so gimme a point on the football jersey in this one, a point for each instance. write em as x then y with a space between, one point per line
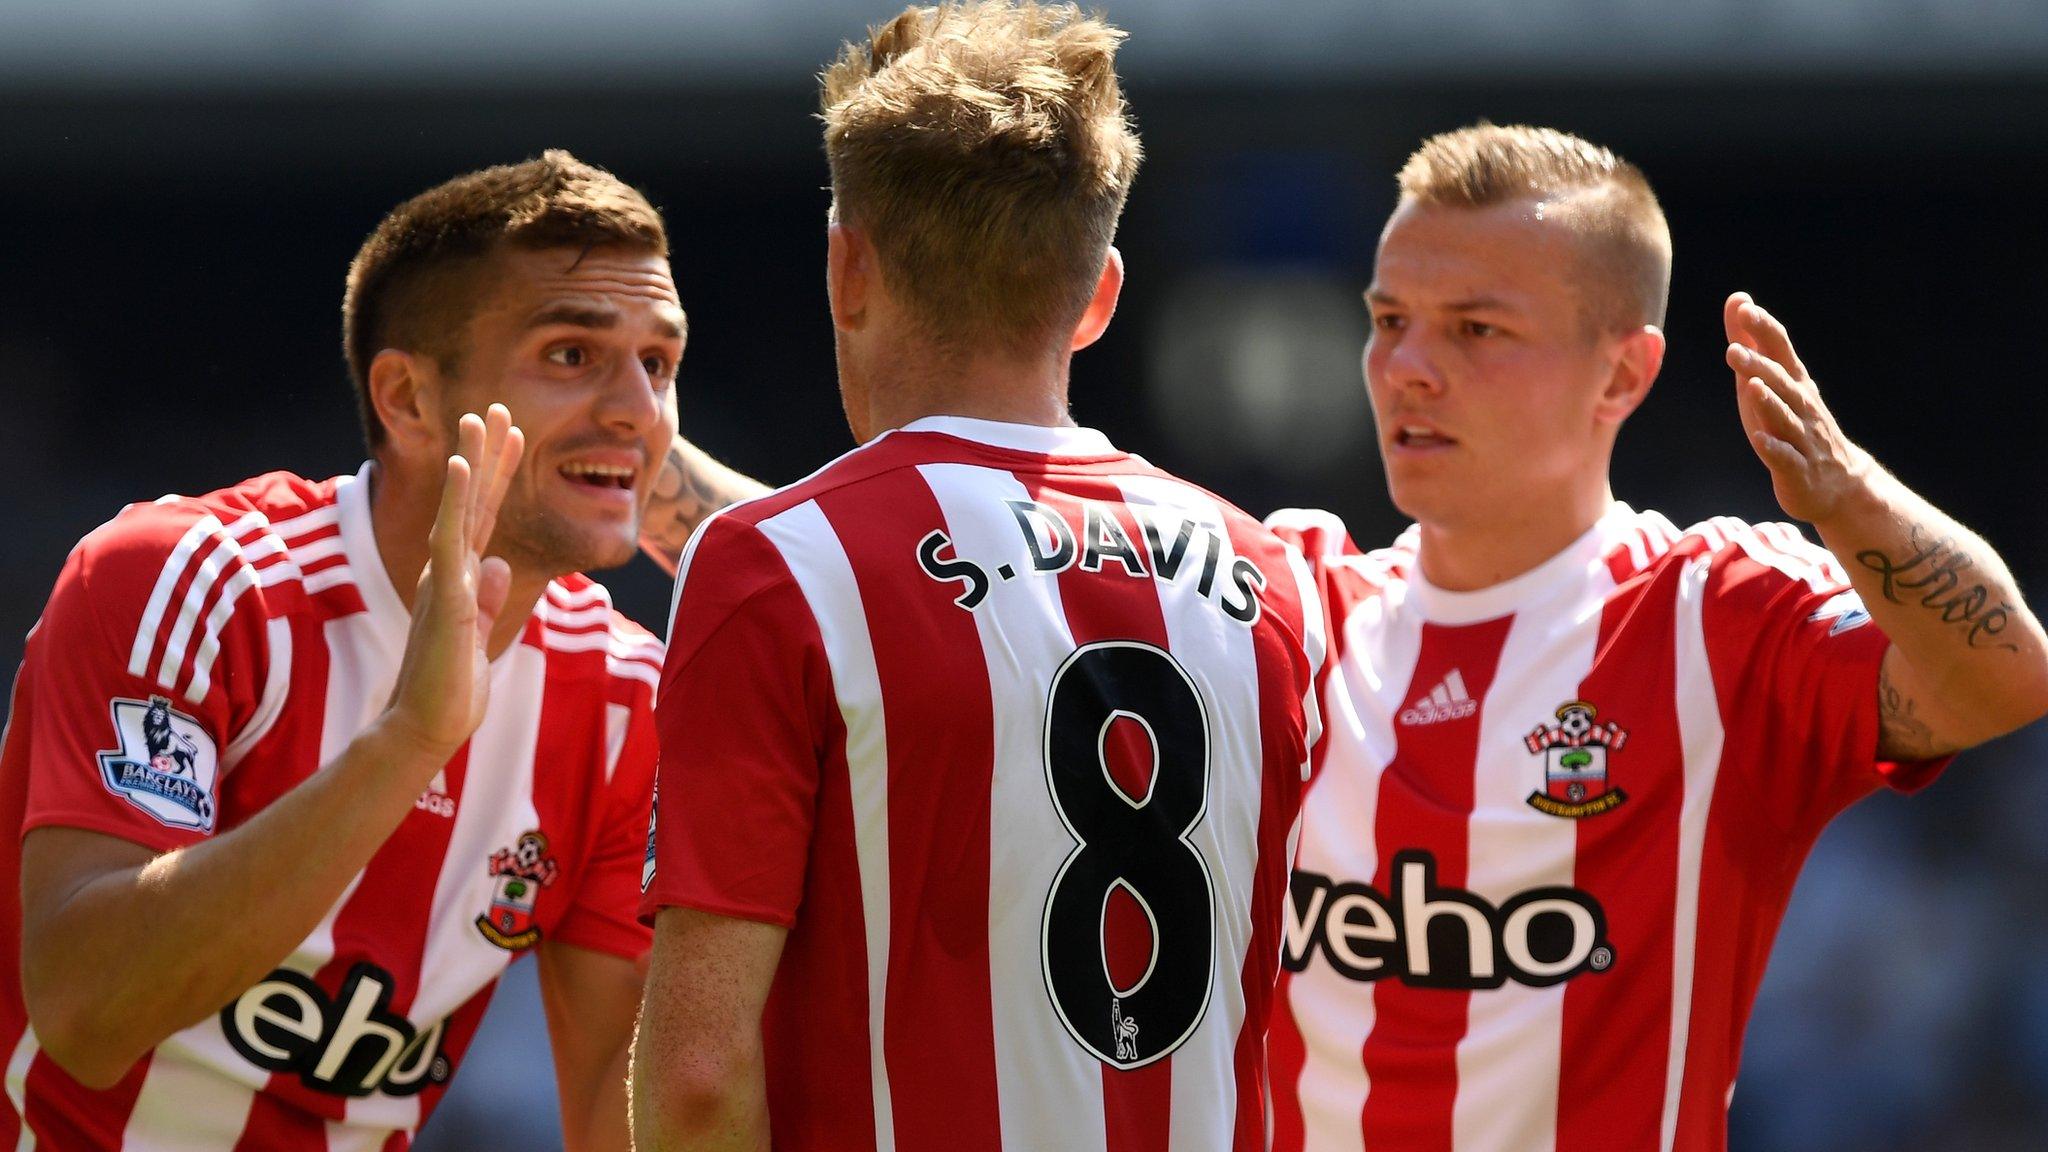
1010 728
1554 825
202 656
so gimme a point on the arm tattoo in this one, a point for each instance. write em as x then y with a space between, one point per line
1935 574
682 500
1900 730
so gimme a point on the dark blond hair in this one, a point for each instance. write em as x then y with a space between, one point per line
416 281
986 151
1605 200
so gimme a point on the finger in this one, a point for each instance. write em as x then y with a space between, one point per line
491 499
1771 415
446 540
1797 394
497 424
1770 337
1731 317
469 444
1777 455
493 583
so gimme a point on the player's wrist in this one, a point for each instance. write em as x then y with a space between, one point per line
397 739
1863 492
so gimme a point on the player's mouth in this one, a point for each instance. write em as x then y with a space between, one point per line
609 480
1414 437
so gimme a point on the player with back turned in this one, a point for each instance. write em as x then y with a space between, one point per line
981 745
1575 755
293 771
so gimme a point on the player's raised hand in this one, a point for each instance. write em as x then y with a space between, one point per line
1814 468
444 680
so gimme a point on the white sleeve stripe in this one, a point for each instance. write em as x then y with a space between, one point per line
639 670
319 549
300 525
559 617
160 595
616 717
324 579
209 647
226 553
276 685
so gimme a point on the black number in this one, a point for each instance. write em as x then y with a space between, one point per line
1139 844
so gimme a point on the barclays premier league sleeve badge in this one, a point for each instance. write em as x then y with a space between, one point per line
165 764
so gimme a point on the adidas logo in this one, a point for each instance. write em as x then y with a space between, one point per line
1447 701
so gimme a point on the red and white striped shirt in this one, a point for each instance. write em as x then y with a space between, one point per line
202 656
1011 728
1554 827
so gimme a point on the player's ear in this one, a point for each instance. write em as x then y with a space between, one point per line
850 274
402 390
1101 306
1639 356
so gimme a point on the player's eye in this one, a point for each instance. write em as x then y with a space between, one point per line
1480 328
568 356
1388 322
657 366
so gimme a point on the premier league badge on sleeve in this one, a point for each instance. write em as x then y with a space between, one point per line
166 764
518 874
1575 752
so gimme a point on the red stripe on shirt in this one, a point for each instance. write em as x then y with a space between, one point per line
64 1115
1426 797
941 751
1610 1095
1281 672
1109 605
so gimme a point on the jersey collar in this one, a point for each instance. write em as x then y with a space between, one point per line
1037 439
1582 560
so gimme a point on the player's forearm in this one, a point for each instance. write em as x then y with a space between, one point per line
690 488
136 954
595 1114
1951 609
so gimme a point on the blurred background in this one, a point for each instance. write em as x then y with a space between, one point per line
185 182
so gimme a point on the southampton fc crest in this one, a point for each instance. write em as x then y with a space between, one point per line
518 874
1575 752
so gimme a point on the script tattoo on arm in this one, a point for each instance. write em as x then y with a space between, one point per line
1902 734
685 495
1936 576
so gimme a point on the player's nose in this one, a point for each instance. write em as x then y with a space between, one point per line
1405 364
632 396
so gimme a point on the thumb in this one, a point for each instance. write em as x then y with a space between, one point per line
493 583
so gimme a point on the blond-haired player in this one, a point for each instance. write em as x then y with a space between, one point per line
981 745
1575 754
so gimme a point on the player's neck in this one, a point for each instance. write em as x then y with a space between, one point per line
401 515
1467 557
1010 390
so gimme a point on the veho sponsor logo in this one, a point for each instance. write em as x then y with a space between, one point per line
351 1045
1436 937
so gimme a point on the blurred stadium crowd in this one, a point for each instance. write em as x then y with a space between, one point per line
176 232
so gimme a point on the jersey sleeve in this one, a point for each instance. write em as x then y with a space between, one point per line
744 717
604 916
1796 657
145 672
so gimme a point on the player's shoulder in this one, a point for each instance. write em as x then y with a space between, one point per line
1744 557
227 530
581 628
1324 539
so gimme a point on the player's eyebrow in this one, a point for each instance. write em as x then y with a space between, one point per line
575 315
1481 303
586 316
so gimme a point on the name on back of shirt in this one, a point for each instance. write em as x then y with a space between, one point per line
1171 547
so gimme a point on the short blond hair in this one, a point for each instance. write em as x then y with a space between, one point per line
986 151
1604 199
